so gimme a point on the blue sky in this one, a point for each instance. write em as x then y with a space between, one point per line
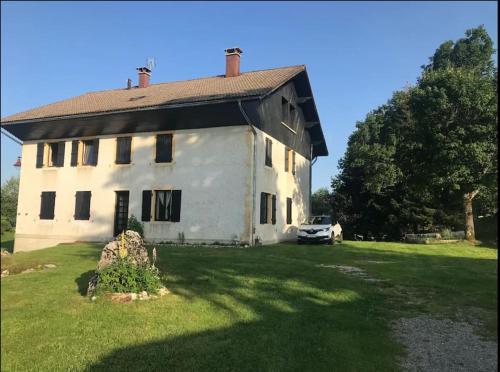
357 53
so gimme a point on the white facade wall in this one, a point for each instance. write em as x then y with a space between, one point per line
213 167
284 185
210 166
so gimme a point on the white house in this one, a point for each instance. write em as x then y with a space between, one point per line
217 159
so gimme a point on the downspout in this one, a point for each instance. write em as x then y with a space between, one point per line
254 166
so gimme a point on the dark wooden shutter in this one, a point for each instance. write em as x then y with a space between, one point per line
82 205
164 148
146 205
123 146
263 207
286 159
39 154
176 206
96 151
47 205
269 152
74 153
273 205
293 162
60 153
288 211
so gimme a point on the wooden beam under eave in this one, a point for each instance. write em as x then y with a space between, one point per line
301 100
310 124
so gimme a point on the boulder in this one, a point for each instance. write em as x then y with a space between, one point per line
136 251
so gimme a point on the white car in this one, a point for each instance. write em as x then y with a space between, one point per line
319 229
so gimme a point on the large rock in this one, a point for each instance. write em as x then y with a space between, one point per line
136 253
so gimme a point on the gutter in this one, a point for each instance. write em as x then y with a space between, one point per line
254 170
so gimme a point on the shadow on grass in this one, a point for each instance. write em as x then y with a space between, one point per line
272 308
83 282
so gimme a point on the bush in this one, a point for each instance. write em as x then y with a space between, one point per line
5 225
447 234
123 276
134 225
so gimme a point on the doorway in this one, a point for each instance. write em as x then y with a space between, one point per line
121 211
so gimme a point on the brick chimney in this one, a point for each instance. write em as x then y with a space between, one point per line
233 61
144 75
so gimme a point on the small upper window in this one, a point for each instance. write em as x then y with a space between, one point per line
164 148
90 152
269 152
56 154
123 149
288 114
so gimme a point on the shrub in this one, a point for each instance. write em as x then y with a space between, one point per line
447 234
5 225
134 225
123 276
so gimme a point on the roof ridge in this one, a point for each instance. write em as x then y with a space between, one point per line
193 79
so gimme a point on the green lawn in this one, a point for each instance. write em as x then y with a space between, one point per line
256 309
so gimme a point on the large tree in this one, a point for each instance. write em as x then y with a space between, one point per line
455 108
414 163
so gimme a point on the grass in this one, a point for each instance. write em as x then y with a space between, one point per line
256 309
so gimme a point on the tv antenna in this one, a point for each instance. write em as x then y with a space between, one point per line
151 63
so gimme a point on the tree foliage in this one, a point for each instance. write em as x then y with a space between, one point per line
412 162
320 202
9 193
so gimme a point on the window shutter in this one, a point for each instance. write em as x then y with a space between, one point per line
82 205
74 153
47 205
263 207
39 154
146 205
288 211
164 148
96 150
273 215
176 206
60 153
286 159
123 145
293 162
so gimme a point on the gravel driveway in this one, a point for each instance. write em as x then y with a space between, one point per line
444 345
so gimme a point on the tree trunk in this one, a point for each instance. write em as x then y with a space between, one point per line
469 217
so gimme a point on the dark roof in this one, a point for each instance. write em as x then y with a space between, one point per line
254 83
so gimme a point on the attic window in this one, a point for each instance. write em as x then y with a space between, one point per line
288 115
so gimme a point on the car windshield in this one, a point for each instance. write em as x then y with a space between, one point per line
318 220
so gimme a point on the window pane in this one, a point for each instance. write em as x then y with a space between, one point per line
88 152
163 205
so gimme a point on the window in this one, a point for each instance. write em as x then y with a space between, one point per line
267 208
288 211
288 115
269 152
90 151
167 205
284 111
56 154
82 205
50 154
163 148
123 148
48 199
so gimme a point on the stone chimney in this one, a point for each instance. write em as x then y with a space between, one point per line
233 62
144 75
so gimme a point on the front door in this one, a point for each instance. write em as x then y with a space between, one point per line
121 211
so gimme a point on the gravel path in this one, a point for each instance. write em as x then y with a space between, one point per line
443 345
